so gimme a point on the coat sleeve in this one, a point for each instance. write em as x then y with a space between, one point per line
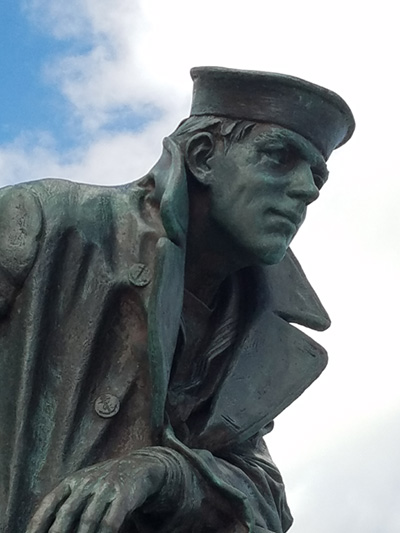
249 468
20 228
238 491
250 475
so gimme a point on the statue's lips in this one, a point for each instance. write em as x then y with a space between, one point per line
290 216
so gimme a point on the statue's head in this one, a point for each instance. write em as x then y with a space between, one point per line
255 148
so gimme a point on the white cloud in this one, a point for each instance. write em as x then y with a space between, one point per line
111 158
349 484
63 20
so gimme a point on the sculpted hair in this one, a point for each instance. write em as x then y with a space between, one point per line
228 130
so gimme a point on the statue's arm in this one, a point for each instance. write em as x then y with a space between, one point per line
152 490
237 491
223 492
162 490
20 228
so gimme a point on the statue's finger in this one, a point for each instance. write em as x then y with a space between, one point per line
94 512
46 513
69 513
120 508
114 517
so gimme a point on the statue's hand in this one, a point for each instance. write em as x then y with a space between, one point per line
100 498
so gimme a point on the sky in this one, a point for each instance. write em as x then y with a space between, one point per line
90 87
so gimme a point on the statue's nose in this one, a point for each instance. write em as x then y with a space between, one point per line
302 185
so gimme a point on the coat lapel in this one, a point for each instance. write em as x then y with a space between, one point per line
275 361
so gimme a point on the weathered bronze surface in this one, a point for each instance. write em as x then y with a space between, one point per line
145 329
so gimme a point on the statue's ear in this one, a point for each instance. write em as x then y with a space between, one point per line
198 151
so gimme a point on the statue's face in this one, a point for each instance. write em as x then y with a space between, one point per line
260 189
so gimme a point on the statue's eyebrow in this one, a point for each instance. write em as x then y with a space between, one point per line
279 139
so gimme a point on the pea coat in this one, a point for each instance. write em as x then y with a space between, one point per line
91 289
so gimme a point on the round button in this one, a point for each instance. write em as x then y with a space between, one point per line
107 405
140 275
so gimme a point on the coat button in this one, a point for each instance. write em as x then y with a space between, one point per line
107 405
139 275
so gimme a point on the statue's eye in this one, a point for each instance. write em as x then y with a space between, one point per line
280 158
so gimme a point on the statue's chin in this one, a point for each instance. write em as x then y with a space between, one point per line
272 255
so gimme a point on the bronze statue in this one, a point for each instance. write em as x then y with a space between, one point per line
145 329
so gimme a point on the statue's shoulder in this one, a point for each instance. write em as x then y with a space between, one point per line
67 203
32 213
53 193
20 228
21 223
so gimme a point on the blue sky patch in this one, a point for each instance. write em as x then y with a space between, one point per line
29 102
26 101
